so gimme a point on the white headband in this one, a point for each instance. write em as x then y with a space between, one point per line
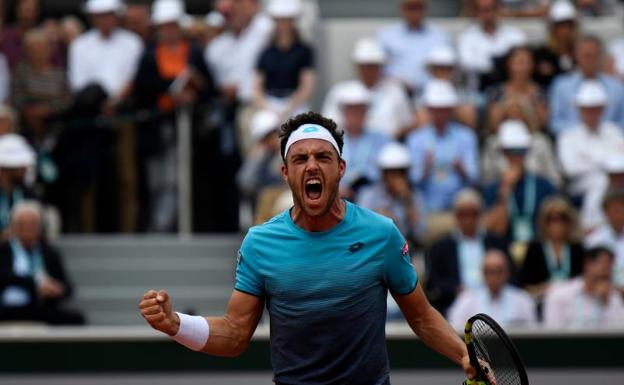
310 131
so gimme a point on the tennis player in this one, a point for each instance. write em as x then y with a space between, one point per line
323 269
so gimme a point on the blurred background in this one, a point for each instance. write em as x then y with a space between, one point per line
139 142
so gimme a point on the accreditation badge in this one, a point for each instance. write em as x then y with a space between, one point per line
522 230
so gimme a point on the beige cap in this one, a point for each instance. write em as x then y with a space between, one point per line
353 93
394 156
514 134
15 152
287 9
440 94
561 10
103 6
262 123
167 11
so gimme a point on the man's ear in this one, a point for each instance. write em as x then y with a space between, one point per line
343 166
284 170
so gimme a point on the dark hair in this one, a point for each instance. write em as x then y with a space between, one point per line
592 254
309 117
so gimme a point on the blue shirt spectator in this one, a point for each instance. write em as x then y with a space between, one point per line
444 152
454 144
563 112
408 44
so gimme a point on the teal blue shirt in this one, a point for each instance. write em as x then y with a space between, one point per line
326 294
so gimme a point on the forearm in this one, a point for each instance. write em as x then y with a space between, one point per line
436 333
226 339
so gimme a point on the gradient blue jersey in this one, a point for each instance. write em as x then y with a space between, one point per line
326 294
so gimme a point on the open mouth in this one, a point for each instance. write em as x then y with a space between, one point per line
313 189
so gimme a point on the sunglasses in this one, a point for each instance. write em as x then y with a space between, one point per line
554 218
516 151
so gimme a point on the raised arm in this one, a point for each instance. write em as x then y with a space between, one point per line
228 335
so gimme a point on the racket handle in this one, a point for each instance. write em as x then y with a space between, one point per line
474 382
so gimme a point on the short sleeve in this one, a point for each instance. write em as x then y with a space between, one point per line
307 59
248 279
399 273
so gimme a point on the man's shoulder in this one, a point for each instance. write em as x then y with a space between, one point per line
563 291
371 219
276 224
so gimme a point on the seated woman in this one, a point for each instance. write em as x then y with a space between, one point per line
519 85
285 71
555 255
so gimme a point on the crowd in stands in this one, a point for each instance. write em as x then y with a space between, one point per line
502 161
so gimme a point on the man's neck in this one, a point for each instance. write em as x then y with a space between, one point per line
489 28
495 293
325 222
106 34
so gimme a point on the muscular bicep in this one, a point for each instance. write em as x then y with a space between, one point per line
245 310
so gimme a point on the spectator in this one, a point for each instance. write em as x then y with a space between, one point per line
513 201
611 234
33 282
262 168
27 13
484 43
102 64
233 55
7 120
389 112
137 19
408 43
285 75
519 85
454 262
171 73
441 63
105 56
540 158
592 215
583 150
361 146
589 56
444 152
589 301
393 196
508 305
16 157
556 56
39 88
554 255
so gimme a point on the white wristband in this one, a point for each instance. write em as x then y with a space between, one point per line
193 332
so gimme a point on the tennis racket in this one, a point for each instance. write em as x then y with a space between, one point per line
492 354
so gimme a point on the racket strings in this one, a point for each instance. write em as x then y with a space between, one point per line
492 350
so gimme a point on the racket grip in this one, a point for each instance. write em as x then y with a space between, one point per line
474 382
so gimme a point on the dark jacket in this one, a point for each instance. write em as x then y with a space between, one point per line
535 270
53 266
443 268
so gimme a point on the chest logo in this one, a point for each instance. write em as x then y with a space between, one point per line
357 246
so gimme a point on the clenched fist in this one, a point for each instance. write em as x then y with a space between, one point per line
156 308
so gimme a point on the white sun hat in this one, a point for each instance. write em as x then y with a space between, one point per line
394 156
442 55
562 10
286 9
591 93
103 6
167 11
353 93
368 51
440 94
514 134
16 152
263 122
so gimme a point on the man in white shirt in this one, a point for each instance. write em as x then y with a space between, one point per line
587 301
484 42
389 111
509 306
233 55
611 233
106 55
408 43
592 215
584 150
